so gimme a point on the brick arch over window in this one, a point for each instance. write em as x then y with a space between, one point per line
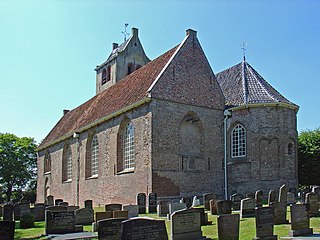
47 162
125 146
238 141
92 156
67 163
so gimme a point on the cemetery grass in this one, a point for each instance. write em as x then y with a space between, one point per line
247 227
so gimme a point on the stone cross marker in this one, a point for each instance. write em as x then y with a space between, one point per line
264 223
228 226
300 224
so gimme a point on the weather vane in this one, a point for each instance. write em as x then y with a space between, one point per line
125 33
244 50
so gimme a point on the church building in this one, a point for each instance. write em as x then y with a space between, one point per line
170 126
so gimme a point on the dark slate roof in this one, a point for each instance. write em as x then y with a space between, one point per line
126 92
242 84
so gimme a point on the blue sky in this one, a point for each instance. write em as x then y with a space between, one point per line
49 49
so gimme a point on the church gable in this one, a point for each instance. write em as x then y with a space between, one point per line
188 77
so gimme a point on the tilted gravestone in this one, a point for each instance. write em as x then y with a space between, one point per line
7 230
152 203
236 201
223 207
143 228
271 197
59 222
213 206
113 207
259 198
264 223
141 202
300 223
313 202
163 208
247 208
8 212
206 199
228 226
84 216
109 229
133 210
280 212
88 204
186 225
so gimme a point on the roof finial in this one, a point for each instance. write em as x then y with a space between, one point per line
125 33
244 50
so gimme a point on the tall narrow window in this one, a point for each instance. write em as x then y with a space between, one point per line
109 74
94 156
47 162
128 147
104 76
130 68
69 163
238 141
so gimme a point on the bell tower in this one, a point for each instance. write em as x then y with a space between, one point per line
123 60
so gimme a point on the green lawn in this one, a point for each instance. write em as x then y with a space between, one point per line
247 228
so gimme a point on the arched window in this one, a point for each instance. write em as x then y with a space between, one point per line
290 149
128 147
130 68
94 156
47 162
238 141
69 163
104 76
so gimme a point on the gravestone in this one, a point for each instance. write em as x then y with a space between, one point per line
39 212
203 216
316 190
109 229
300 223
16 212
264 223
187 201
213 207
141 202
283 193
7 230
57 202
186 225
57 208
280 212
103 215
152 203
72 208
236 201
8 212
228 226
120 214
249 195
162 208
143 228
303 194
88 204
223 207
49 200
133 210
247 208
113 207
195 201
313 201
59 222
24 208
84 216
272 197
206 199
290 198
258 198
66 204
173 207
27 220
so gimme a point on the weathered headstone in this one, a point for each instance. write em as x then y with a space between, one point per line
173 207
187 201
39 212
264 223
57 202
206 199
152 203
113 207
259 198
185 225
316 190
24 208
8 212
236 201
249 195
57 208
313 201
7 230
143 228
304 193
195 201
271 197
203 215
27 220
283 193
247 208
133 210
300 224
141 202
162 208
109 229
228 226
84 216
88 204
72 208
49 200
66 204
280 212
223 207
120 214
213 207
290 198
59 222
103 215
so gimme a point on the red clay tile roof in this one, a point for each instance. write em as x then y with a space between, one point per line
129 90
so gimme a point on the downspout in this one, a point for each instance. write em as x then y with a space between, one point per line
76 136
226 114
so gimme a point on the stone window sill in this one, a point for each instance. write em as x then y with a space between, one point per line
125 171
67 181
92 177
47 173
